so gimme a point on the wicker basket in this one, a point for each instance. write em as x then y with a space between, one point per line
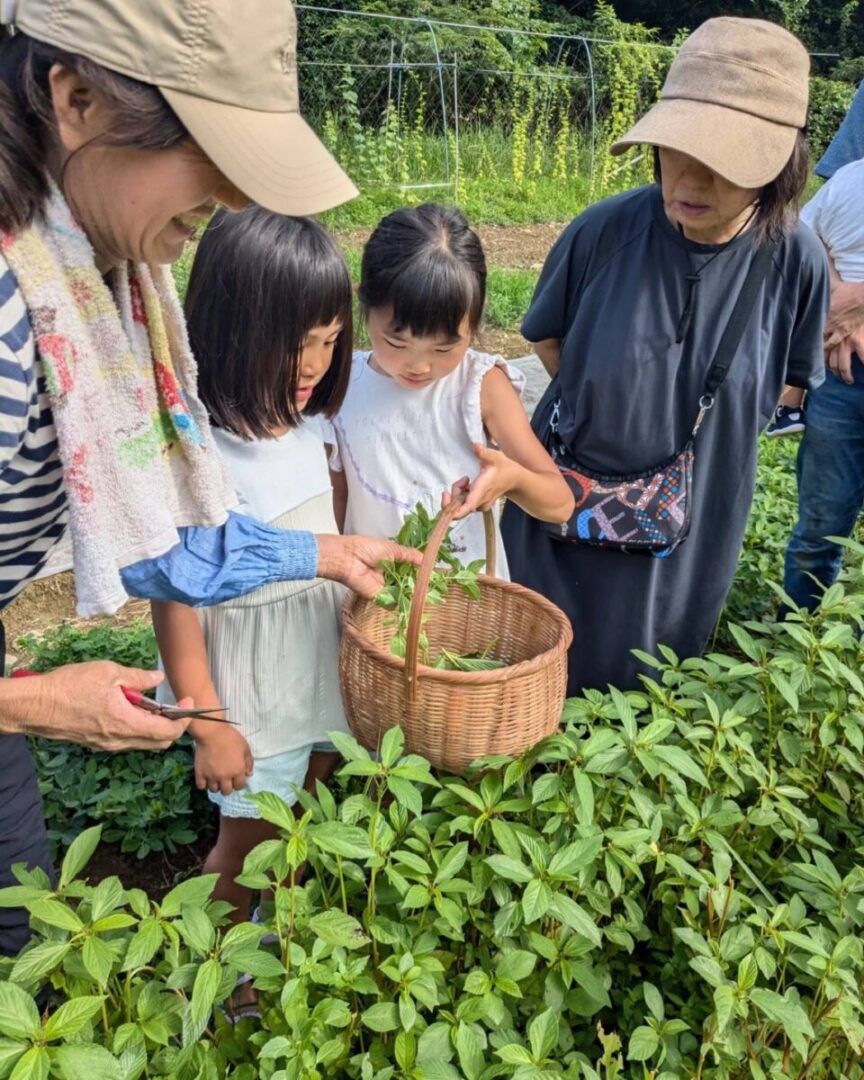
454 717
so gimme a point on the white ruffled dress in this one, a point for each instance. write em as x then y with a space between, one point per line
399 447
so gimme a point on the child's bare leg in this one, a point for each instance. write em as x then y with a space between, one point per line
237 837
321 767
792 397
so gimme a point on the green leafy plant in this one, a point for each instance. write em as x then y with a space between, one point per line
400 580
829 101
133 645
147 802
670 887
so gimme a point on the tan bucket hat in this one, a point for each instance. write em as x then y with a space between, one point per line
229 71
735 99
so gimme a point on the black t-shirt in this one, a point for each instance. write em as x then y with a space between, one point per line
613 290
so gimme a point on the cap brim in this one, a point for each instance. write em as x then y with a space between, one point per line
744 149
274 158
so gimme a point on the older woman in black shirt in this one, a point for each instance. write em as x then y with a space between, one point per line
627 317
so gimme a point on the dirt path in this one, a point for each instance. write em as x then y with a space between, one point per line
510 246
49 602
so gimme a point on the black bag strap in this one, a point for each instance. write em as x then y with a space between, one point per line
731 339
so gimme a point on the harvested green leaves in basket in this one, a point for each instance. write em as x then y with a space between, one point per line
401 578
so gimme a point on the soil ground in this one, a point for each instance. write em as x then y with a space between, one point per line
49 602
156 874
509 246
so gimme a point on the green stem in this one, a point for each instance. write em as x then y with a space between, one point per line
342 890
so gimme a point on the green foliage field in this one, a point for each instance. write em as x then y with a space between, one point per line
672 887
146 802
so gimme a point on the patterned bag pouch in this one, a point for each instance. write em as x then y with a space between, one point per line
645 512
649 512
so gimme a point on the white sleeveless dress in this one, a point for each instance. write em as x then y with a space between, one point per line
399 447
274 654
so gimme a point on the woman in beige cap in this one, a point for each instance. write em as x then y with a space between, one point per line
122 126
630 316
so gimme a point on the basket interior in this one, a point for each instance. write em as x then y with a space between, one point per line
515 625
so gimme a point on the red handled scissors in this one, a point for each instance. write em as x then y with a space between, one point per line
141 701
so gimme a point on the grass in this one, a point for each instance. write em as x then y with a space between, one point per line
498 182
496 201
509 295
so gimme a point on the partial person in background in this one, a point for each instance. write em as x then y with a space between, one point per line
831 456
847 146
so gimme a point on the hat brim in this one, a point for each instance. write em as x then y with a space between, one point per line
744 149
274 158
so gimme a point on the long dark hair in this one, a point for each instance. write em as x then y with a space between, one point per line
780 200
140 118
259 283
427 263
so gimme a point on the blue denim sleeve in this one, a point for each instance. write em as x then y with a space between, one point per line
211 565
848 144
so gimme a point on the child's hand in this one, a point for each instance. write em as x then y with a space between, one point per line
497 476
223 759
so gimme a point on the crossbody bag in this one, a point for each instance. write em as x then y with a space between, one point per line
650 511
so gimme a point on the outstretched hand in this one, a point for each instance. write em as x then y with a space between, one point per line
355 561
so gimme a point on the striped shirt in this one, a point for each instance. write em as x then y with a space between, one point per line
206 566
33 509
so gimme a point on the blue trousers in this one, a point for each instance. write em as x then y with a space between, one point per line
830 485
23 838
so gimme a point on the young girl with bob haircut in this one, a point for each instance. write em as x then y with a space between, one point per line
269 314
423 408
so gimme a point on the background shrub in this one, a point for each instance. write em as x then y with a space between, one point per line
147 802
829 102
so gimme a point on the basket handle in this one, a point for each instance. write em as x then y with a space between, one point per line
421 586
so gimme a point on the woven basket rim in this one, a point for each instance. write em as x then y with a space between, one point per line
469 678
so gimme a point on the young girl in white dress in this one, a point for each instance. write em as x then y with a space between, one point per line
424 410
269 314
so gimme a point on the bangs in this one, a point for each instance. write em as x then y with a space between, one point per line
432 296
259 284
427 266
325 296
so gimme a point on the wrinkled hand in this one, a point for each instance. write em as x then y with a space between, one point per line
495 479
223 759
839 360
84 703
856 342
846 314
841 357
355 561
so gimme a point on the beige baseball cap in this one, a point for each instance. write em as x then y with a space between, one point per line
229 71
735 99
